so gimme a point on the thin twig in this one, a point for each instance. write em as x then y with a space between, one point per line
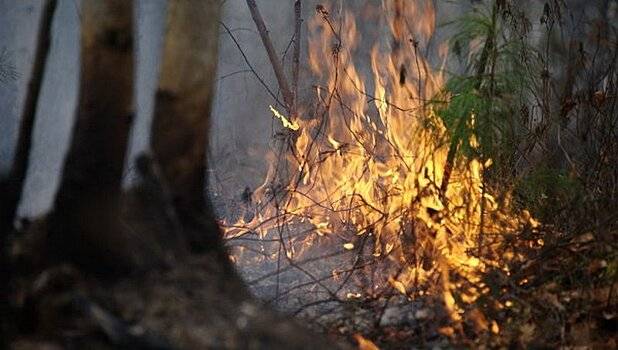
244 56
295 70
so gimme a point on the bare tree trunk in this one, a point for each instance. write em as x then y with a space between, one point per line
11 187
196 301
182 111
84 225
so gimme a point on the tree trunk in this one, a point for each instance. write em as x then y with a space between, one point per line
173 286
84 226
11 186
182 108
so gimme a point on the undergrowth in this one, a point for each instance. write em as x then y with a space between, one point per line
538 94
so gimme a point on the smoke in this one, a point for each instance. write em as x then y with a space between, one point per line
241 126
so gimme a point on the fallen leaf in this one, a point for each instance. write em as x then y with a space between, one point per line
479 320
447 331
527 333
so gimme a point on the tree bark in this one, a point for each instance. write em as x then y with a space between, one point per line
11 186
84 225
182 107
194 301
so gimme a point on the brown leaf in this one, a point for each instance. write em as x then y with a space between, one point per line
479 321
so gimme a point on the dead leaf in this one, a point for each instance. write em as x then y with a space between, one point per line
447 331
479 321
553 300
527 333
596 266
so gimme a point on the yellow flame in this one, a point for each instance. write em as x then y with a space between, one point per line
284 121
381 165
364 343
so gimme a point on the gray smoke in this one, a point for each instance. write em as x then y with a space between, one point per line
242 125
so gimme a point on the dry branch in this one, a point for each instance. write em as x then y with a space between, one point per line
251 68
296 60
288 96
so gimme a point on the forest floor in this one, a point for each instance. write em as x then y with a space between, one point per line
564 293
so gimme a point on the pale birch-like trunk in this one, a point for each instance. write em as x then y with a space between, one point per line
193 301
182 112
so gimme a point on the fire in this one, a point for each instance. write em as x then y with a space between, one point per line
370 161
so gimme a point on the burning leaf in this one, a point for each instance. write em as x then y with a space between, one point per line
447 331
284 121
365 344
400 287
495 329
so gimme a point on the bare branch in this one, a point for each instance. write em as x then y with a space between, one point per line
288 97
244 56
295 70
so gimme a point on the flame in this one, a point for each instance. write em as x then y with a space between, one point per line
364 343
371 161
284 121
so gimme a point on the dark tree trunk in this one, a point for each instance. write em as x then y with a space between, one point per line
182 109
11 186
172 276
84 226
